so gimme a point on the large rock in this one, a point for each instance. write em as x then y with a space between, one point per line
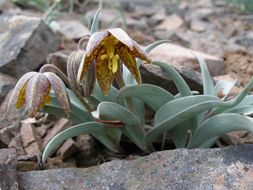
179 56
25 43
8 172
6 84
198 169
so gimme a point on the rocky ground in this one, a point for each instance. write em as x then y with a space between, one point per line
223 35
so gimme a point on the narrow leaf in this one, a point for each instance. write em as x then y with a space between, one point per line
207 79
97 130
219 125
178 111
180 83
95 22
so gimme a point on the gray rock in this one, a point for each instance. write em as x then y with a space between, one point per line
8 172
245 39
25 43
6 84
198 169
152 74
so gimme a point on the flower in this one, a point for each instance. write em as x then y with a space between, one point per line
33 90
107 49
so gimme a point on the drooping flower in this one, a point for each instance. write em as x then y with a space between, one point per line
108 49
33 89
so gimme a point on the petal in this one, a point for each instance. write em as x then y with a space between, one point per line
139 52
83 68
37 93
104 75
18 95
122 36
73 64
60 90
89 81
130 63
95 41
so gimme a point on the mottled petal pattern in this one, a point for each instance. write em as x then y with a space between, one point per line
18 95
60 90
89 81
37 93
95 41
83 68
122 36
140 53
104 75
130 63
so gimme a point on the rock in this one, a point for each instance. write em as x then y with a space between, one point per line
5 137
25 43
16 142
8 172
198 26
73 29
6 84
180 56
31 141
171 23
226 168
59 59
5 5
67 149
24 166
152 74
59 126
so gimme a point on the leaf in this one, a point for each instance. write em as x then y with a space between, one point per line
111 97
180 83
207 79
219 125
98 130
178 111
152 95
95 22
133 128
245 107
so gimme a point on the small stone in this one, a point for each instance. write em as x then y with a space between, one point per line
16 142
73 29
6 84
5 136
67 149
31 141
8 171
25 166
59 126
28 134
198 26
171 23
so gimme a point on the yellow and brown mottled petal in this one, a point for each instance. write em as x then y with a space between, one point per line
60 90
104 75
122 36
73 64
37 91
17 99
140 53
89 81
94 43
130 63
83 68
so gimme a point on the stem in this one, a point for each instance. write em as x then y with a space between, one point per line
56 70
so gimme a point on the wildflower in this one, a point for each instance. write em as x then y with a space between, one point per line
107 49
33 90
